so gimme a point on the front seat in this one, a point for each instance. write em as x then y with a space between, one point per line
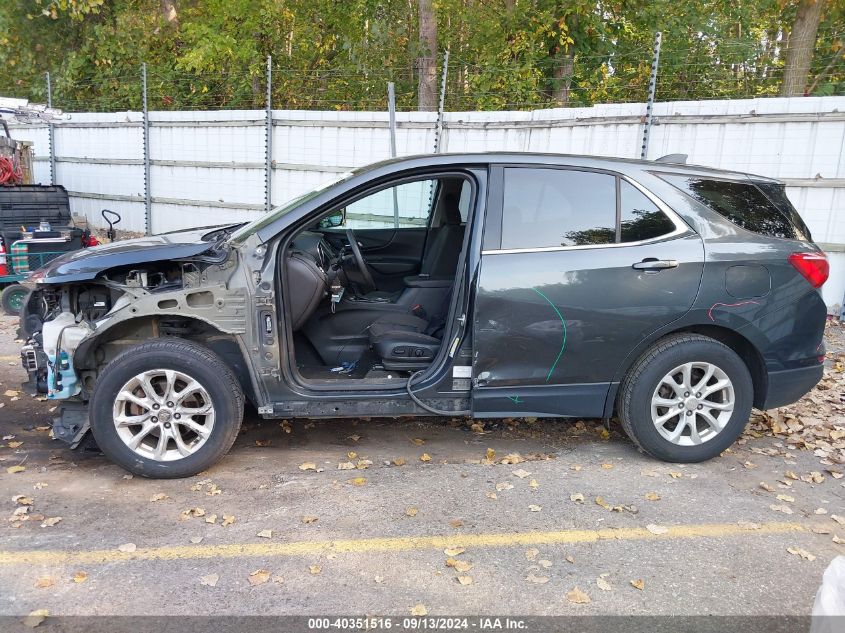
442 252
404 341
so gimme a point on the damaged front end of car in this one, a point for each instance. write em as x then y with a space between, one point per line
83 310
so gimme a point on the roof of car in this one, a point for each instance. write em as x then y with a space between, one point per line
539 158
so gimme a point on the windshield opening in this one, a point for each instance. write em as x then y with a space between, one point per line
280 211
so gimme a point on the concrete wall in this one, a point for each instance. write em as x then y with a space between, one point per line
208 167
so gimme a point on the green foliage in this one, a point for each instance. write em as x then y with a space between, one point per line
340 55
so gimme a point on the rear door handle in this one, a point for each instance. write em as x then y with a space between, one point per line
651 263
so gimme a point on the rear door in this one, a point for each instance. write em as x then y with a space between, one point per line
578 266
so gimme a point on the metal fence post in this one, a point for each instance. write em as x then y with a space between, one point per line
652 88
51 138
268 140
391 115
438 130
146 133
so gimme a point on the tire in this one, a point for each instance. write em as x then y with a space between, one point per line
648 386
205 396
13 298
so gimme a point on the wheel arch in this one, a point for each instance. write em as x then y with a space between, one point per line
97 350
738 343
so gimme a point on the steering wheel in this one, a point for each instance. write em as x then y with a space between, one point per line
369 284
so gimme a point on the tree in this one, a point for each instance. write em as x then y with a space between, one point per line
800 47
427 60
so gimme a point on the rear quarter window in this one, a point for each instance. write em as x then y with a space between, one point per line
761 208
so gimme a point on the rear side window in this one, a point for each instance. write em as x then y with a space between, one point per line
744 204
546 207
640 218
557 207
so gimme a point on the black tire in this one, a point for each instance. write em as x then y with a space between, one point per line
638 387
13 298
184 356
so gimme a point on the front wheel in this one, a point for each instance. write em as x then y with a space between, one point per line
166 408
686 399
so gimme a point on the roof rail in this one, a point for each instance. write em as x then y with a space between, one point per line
672 158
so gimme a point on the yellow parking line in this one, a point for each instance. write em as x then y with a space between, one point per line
389 544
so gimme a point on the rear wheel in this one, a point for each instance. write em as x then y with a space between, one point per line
13 298
686 399
167 408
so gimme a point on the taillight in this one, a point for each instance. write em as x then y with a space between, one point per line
813 266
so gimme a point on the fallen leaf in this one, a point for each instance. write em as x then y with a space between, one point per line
456 523
602 584
425 457
10 394
748 525
465 580
492 495
211 518
535 508
575 467
781 508
309 518
766 487
531 553
419 610
193 512
35 618
262 443
786 498
533 484
537 580
545 564
577 496
258 577
675 475
211 580
652 496
228 519
363 464
607 466
418 441
357 481
15 469
577 596
838 540
454 551
265 534
346 466
307 466
40 485
656 529
522 474
801 552
458 564
504 485
44 582
50 522
638 584
159 497
22 500
569 559
127 547
315 569
790 475
820 511
80 577
411 511
195 539
398 462
840 520
490 455
15 444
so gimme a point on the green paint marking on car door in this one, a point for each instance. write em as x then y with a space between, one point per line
563 342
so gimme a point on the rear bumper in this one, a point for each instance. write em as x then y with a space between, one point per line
785 387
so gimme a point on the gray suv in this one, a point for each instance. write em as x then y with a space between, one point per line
671 296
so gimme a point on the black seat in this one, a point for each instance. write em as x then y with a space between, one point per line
442 252
404 341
